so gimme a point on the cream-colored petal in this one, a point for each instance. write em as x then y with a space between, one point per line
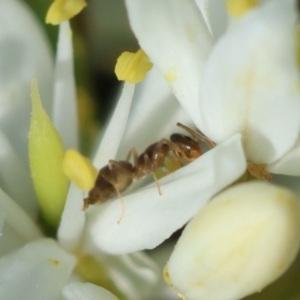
289 163
215 15
18 228
24 53
65 116
111 139
36 271
251 84
177 40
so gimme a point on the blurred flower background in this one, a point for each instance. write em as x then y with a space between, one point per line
100 33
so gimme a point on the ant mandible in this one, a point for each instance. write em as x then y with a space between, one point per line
117 176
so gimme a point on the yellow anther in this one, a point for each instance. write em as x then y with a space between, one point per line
132 67
63 10
237 8
46 158
79 170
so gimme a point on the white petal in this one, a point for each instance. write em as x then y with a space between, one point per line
253 89
18 228
149 219
86 291
111 140
153 115
15 179
215 15
177 40
25 54
72 220
135 274
37 271
64 102
288 164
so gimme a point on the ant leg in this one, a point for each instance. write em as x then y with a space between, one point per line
133 152
198 136
113 179
151 169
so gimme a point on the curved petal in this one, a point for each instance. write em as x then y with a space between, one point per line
255 89
64 102
149 219
85 291
177 40
15 179
111 139
18 228
72 220
215 15
288 164
25 54
36 271
153 115
135 274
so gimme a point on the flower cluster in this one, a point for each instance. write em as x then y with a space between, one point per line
229 69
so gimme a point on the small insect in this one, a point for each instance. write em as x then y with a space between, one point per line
117 176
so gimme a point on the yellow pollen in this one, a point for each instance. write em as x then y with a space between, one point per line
79 170
237 8
132 67
63 10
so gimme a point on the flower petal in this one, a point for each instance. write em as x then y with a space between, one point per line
289 163
135 274
153 115
15 179
37 271
72 220
111 140
255 89
64 102
18 228
85 291
177 40
149 219
25 53
215 15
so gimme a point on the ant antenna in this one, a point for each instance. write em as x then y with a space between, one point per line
197 135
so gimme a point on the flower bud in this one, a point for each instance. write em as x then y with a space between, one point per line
244 239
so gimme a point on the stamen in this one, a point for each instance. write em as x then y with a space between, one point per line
63 10
79 170
132 67
237 8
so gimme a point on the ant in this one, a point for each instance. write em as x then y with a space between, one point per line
117 176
